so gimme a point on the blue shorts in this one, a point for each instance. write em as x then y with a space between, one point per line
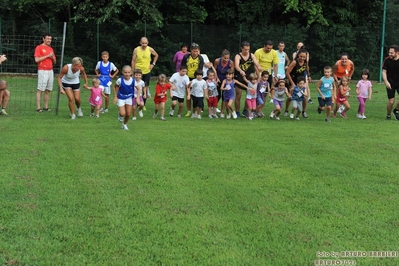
326 101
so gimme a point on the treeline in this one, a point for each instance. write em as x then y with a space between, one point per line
328 28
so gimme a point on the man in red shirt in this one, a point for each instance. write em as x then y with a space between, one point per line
45 59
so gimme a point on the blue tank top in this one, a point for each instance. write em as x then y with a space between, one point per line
229 93
105 71
125 91
326 87
221 71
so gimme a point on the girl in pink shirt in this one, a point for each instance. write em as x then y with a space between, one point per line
95 99
363 91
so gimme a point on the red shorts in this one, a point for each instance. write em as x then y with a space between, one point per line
341 100
213 101
159 100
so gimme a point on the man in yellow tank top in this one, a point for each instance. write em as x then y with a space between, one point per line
141 59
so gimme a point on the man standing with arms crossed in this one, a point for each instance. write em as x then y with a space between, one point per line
141 59
45 59
390 75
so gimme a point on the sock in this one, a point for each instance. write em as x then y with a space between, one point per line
395 111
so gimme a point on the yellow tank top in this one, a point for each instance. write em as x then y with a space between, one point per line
192 66
143 59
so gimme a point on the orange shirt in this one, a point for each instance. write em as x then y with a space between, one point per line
343 71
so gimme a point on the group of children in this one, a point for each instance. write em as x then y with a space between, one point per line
129 91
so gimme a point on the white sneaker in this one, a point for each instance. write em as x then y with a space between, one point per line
341 108
163 118
124 127
228 116
141 113
277 118
271 101
171 112
250 118
120 118
359 116
217 110
73 116
102 110
80 113
234 115
221 115
210 116
363 117
92 114
155 116
292 116
134 118
199 116
97 116
106 110
271 114
285 113
215 116
296 118
178 116
194 116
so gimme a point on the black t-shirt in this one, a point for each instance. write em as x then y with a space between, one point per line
392 68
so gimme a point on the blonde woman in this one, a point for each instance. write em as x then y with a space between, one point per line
69 84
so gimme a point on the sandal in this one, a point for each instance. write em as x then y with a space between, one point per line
47 109
39 110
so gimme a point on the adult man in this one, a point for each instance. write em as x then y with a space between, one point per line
283 60
193 61
141 59
343 67
268 61
244 64
4 96
45 59
390 75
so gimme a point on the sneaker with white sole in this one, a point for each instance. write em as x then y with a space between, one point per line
199 116
210 116
73 116
292 116
221 115
277 118
297 118
134 118
194 116
124 127
106 110
359 116
80 113
120 118
215 116
154 115
217 110
141 113
228 116
305 115
171 112
178 116
271 114
234 114
285 113
163 118
363 117
102 110
92 114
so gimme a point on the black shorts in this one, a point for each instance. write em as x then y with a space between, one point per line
146 78
180 100
240 79
197 101
391 92
72 86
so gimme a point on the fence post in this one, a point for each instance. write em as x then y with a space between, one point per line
61 63
98 38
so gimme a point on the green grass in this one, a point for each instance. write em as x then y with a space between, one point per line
197 192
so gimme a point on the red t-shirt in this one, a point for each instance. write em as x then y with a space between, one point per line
161 89
42 50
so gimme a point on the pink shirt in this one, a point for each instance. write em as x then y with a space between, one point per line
363 87
96 97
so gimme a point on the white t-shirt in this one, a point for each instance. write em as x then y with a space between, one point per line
204 68
139 84
180 82
251 86
212 88
113 67
198 87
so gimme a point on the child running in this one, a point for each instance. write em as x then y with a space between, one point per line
363 91
96 95
161 95
228 88
180 81
196 91
278 99
327 91
298 96
262 90
343 93
138 94
252 84
211 94
104 70
124 92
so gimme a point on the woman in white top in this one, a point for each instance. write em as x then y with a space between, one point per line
69 84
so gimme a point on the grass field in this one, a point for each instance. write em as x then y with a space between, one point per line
197 192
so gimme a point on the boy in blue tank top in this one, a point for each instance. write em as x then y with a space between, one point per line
327 92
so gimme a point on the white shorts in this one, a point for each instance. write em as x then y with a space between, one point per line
45 80
123 102
107 90
281 76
